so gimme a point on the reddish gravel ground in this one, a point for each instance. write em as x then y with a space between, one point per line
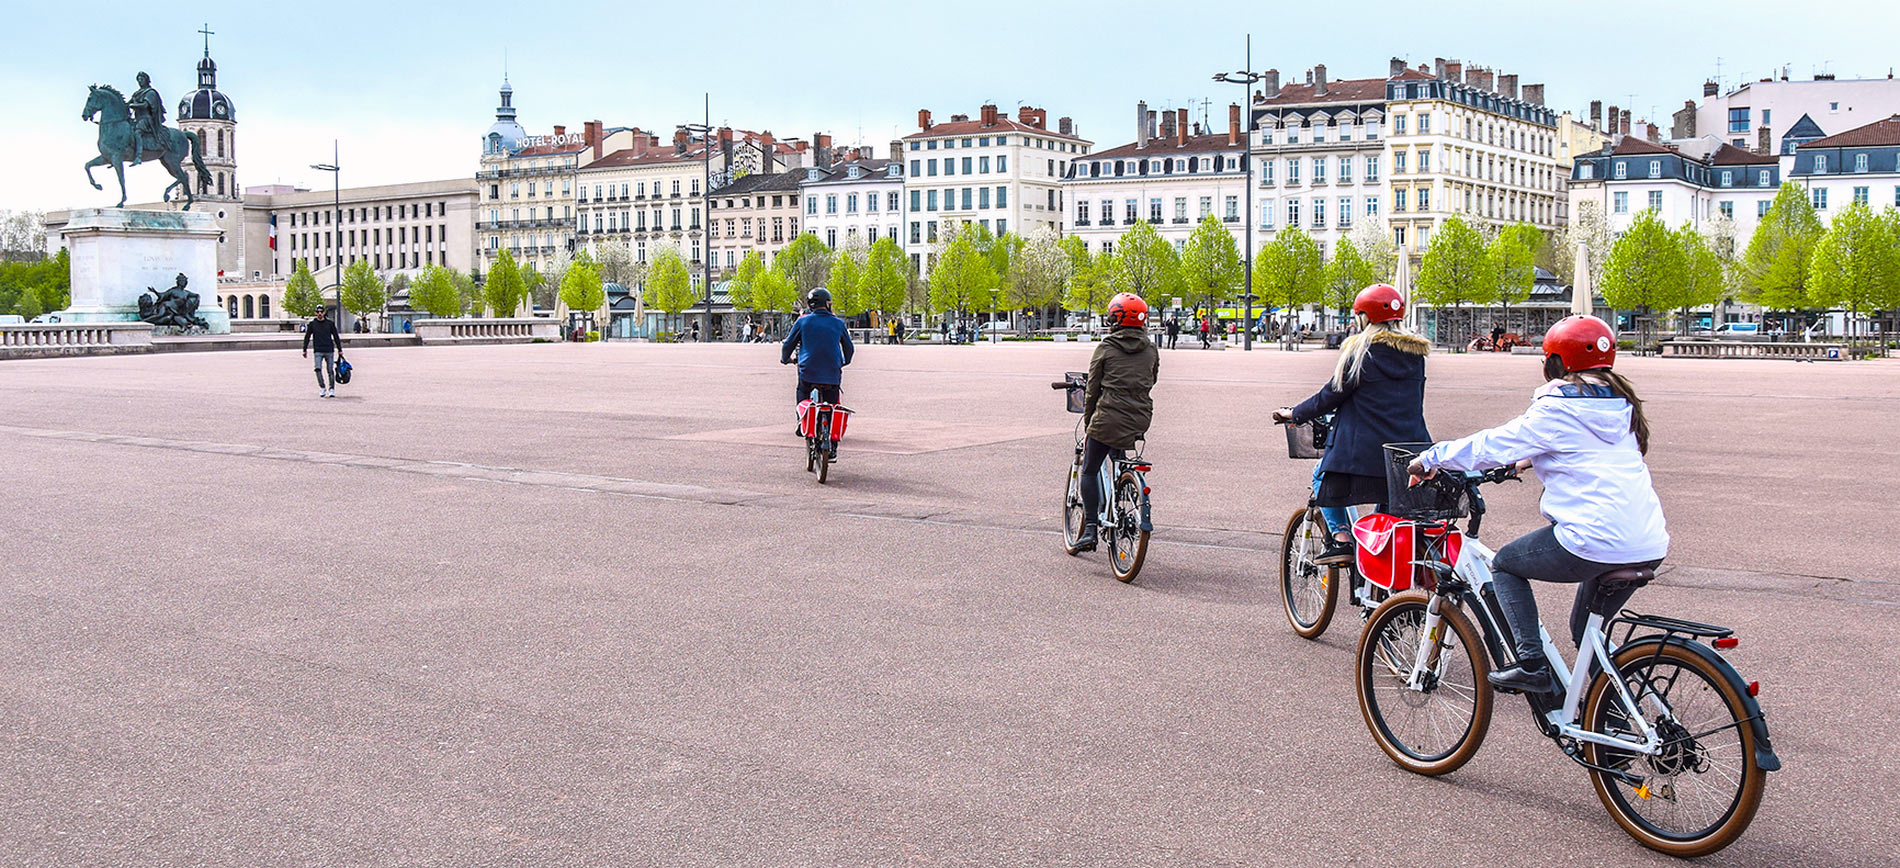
580 605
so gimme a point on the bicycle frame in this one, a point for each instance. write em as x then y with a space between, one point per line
1471 575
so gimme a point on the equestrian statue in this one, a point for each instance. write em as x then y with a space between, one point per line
134 131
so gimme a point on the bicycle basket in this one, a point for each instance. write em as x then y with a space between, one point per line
1076 395
1435 499
1309 439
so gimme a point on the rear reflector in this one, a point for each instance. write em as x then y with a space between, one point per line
1144 490
1144 467
1754 688
1727 642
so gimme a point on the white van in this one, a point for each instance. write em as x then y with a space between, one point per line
12 319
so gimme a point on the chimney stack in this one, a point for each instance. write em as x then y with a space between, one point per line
560 130
1596 114
680 138
1233 124
1180 128
1153 126
1309 76
1764 140
1651 133
1065 126
1534 94
768 153
1615 120
897 151
923 119
1167 127
1438 67
1141 124
1396 68
1507 85
1709 88
1454 69
1625 124
1319 79
590 131
989 115
821 142
1488 80
1473 76
1272 82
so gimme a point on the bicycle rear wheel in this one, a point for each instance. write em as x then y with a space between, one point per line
1072 517
1699 793
1127 542
1436 727
824 464
1307 589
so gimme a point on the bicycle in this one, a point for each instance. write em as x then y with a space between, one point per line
1125 517
1675 743
822 424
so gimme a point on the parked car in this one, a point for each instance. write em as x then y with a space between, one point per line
1736 330
12 319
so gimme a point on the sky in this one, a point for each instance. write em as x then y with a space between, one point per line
407 89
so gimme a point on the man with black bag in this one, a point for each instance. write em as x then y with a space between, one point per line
323 334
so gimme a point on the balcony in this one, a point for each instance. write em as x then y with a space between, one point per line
675 228
1082 223
1180 221
1231 218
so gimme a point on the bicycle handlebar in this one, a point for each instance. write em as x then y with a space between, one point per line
1067 385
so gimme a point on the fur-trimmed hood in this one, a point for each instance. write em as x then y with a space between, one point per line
1398 340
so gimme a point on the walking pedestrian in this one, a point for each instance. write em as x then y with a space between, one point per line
323 335
901 328
1174 330
1205 325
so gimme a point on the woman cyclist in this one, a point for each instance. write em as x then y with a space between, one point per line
1116 408
1378 394
1585 435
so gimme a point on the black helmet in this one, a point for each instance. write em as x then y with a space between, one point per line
820 297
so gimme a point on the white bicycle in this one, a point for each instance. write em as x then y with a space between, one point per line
1676 745
1124 521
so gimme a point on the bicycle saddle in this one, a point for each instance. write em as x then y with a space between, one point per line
1624 579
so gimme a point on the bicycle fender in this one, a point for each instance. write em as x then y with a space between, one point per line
1765 758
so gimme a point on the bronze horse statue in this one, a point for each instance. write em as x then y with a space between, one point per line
116 145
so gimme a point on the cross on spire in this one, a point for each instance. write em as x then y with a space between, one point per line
207 31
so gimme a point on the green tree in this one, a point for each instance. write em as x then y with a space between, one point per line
1775 265
540 292
363 290
1091 284
434 292
465 286
1210 263
1456 267
581 286
301 295
846 266
1513 255
742 289
1146 264
1704 275
1346 274
505 289
882 281
1039 273
670 283
775 293
28 304
806 262
1287 272
962 276
1645 269
1854 265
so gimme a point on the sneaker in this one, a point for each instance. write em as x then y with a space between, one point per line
1338 552
1085 541
323 393
1531 675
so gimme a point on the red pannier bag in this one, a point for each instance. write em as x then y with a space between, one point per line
838 417
807 418
1387 545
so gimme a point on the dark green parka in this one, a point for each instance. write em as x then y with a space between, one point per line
1117 408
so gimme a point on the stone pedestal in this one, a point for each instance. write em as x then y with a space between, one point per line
118 253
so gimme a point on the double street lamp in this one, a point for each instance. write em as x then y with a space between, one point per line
336 187
705 131
1246 79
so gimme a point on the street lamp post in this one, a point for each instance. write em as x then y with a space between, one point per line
1246 78
705 131
336 214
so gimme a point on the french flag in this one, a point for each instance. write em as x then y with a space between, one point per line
273 232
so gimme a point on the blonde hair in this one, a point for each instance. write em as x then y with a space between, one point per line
1352 353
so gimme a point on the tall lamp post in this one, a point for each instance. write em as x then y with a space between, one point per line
705 132
1246 78
336 187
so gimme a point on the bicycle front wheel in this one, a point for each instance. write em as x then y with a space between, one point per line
1306 588
1127 542
1432 720
1072 517
824 465
1699 792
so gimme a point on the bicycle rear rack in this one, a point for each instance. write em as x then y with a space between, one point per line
1667 625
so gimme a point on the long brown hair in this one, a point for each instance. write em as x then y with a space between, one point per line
1617 384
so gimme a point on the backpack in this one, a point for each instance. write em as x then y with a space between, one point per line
343 368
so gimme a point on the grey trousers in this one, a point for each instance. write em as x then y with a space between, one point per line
325 363
1538 555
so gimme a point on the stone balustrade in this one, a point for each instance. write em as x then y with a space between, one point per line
1690 349
42 340
486 331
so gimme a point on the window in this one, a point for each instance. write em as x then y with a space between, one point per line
1860 195
1655 200
1728 177
1002 227
1233 209
1765 115
1820 164
1293 170
1292 213
1398 162
949 165
1622 169
966 199
831 237
831 203
1424 126
1398 236
1761 178
930 202
931 167
983 197
890 202
1081 213
983 163
1345 170
1002 199
1398 127
870 202
1266 214
966 165
1820 198
811 205
1319 170
1655 168
1860 162
1424 235
1002 162
1622 202
1585 171
1424 161
1154 211
1266 173
1372 206
1128 212
1372 170
916 200
916 228
1319 213
1424 198
1398 199
1345 212
916 168
1761 208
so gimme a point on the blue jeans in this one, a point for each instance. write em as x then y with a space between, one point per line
1337 521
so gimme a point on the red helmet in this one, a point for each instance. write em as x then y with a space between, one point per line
1127 309
1583 342
1380 303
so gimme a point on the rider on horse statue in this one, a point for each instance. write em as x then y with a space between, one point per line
148 117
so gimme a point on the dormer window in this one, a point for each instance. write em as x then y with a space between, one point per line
811 174
852 173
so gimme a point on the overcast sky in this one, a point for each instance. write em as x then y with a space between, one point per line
409 88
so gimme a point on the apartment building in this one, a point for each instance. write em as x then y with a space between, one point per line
1319 155
1003 173
856 201
1171 175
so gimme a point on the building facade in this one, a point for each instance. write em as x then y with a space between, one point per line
857 201
1172 175
1004 174
1857 165
1319 156
1636 175
1464 142
757 212
1760 115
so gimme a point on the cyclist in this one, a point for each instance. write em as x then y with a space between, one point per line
1585 435
1378 395
1116 408
823 344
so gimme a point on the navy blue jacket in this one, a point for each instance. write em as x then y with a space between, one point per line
823 344
1385 405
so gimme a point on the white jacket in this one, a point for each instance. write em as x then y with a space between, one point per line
1596 487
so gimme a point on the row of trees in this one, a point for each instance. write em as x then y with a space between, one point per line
32 286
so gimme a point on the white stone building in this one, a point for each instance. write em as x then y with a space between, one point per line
1004 174
1319 156
859 200
1760 115
1171 176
